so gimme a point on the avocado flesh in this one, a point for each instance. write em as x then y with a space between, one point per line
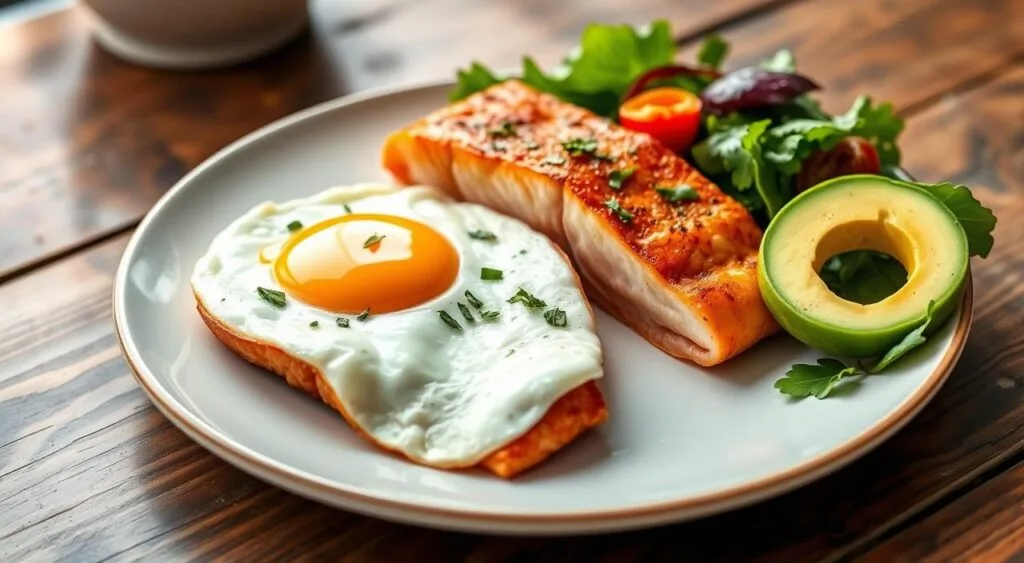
857 213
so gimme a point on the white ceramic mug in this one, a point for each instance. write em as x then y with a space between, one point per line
195 33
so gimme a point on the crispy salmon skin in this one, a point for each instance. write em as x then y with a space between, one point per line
658 245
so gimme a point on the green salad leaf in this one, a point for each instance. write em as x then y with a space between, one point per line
977 220
472 80
804 380
863 276
912 340
713 52
781 61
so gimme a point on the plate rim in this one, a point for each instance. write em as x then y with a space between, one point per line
358 499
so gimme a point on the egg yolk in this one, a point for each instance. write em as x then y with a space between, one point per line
354 262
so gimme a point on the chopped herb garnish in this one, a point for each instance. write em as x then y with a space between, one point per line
490 315
364 315
272 296
682 192
491 274
624 215
554 159
532 146
465 312
448 320
616 178
510 352
580 146
314 324
523 251
556 317
473 300
374 239
341 321
346 208
506 129
481 234
524 297
294 226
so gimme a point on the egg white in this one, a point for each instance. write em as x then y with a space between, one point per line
442 397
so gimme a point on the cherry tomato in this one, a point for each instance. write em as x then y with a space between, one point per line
853 155
670 115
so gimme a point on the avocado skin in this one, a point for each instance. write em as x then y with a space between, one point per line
843 342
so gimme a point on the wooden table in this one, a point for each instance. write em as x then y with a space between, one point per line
90 471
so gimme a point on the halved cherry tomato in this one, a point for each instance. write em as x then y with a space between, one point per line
670 115
853 155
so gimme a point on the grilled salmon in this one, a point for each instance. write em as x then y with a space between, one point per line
657 244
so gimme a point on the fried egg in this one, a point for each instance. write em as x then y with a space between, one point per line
443 329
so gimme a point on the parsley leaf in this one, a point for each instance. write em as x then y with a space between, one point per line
616 178
912 340
524 297
272 296
474 79
294 226
556 317
481 234
863 276
314 324
804 380
341 322
506 129
623 214
977 221
580 146
491 274
713 52
682 192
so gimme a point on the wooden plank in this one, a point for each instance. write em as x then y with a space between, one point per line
80 447
88 143
986 524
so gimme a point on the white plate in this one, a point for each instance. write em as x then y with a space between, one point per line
681 441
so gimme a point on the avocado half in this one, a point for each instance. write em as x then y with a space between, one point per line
861 212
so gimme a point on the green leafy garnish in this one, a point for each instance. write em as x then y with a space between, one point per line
712 52
314 324
580 146
506 129
616 178
473 300
912 340
448 320
465 312
489 315
364 315
294 226
682 192
374 239
491 274
781 61
342 322
272 296
481 234
977 221
623 214
348 210
804 380
863 276
555 317
524 297
474 79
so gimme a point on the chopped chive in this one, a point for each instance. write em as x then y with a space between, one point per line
617 178
272 296
448 320
481 234
341 321
473 300
465 312
556 317
374 239
506 129
524 297
682 192
364 315
510 352
491 274
489 315
294 226
624 214
554 159
314 324
346 208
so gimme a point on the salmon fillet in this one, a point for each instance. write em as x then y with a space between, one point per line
682 274
572 414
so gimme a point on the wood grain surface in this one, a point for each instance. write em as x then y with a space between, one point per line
90 471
